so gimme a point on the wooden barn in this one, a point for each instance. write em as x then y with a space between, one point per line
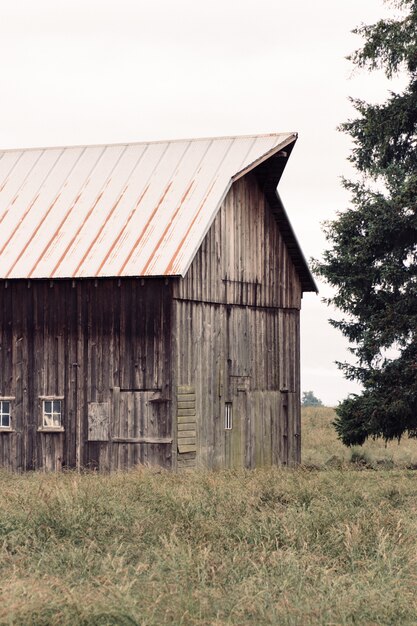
149 306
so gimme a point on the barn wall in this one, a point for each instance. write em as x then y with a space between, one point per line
237 338
104 346
243 259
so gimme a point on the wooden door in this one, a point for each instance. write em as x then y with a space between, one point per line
290 428
238 423
140 429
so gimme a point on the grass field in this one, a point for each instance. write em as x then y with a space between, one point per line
321 446
333 542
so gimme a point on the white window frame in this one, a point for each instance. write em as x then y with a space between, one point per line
48 422
228 416
9 400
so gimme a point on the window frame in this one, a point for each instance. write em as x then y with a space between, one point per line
54 427
228 416
10 400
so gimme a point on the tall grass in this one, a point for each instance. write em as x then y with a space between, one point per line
273 546
321 445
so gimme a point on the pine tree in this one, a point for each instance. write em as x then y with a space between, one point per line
372 258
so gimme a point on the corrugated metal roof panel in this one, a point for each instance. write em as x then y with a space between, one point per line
120 210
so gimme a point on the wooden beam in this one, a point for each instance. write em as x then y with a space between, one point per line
156 440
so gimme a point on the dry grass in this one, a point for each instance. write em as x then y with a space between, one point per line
277 546
321 445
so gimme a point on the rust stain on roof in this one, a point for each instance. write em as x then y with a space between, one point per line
8 209
94 241
62 222
118 237
14 231
76 234
167 227
146 226
156 231
171 266
32 236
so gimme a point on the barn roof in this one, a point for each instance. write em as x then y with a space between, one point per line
139 209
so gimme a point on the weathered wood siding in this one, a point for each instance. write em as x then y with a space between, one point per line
243 258
104 346
236 321
145 367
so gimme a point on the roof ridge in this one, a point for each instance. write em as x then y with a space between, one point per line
157 141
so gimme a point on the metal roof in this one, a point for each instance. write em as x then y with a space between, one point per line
139 209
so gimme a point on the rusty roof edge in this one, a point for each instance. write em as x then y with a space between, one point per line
144 142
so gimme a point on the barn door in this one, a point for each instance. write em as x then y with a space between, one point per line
290 428
140 429
237 423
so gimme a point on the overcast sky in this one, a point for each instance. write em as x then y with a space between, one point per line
102 71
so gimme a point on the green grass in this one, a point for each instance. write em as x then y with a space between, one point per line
308 546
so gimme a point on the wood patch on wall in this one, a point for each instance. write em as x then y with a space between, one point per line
98 421
186 426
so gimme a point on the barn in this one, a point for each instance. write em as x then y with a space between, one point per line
150 296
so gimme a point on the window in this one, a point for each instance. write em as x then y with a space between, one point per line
228 416
5 414
52 414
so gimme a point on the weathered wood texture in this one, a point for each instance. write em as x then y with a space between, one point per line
186 427
96 344
144 367
236 354
243 258
236 322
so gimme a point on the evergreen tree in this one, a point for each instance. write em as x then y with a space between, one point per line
372 258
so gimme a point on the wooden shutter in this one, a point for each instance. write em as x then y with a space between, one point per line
186 425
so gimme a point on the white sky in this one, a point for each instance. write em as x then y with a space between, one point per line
101 71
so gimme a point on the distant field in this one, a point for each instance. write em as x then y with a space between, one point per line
316 545
320 444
